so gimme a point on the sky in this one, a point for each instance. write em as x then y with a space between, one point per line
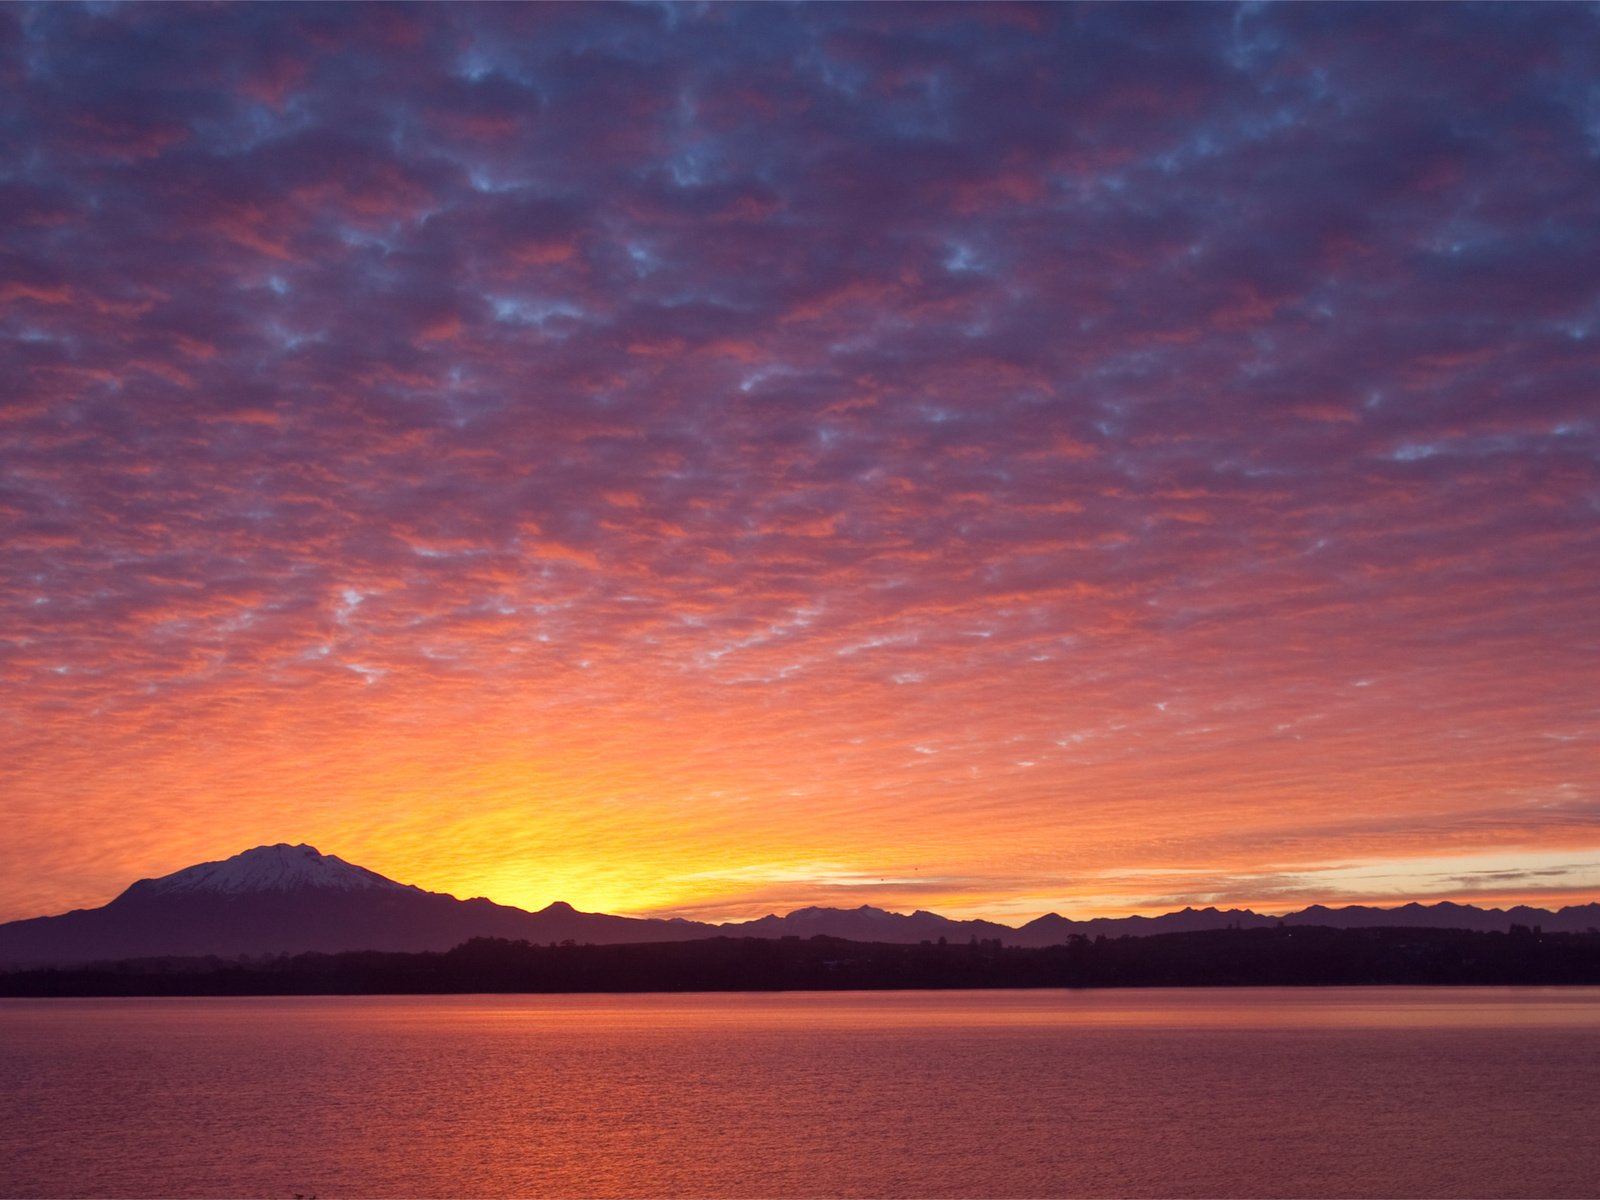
706 460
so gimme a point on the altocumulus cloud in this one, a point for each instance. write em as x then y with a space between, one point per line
1024 439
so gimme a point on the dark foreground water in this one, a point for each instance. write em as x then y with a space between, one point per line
1281 1093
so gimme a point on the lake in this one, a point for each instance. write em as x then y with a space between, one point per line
1240 1092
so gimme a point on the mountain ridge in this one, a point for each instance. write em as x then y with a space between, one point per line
279 867
286 899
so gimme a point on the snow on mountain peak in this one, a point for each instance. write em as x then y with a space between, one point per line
280 868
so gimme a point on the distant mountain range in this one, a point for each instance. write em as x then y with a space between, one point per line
290 899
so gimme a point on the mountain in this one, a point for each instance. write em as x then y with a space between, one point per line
287 899
1449 916
868 924
280 868
1052 929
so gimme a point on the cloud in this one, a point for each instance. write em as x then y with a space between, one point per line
751 395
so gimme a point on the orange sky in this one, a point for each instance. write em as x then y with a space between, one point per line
712 465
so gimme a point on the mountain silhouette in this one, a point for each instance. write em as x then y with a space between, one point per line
285 899
868 924
288 899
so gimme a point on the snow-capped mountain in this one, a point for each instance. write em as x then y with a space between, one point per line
287 899
280 868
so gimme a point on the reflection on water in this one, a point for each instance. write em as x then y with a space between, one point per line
1270 1092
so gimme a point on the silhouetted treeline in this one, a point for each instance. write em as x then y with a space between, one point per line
1218 958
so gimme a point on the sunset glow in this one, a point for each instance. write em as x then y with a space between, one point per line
706 461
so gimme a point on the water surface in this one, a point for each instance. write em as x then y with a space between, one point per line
1240 1092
